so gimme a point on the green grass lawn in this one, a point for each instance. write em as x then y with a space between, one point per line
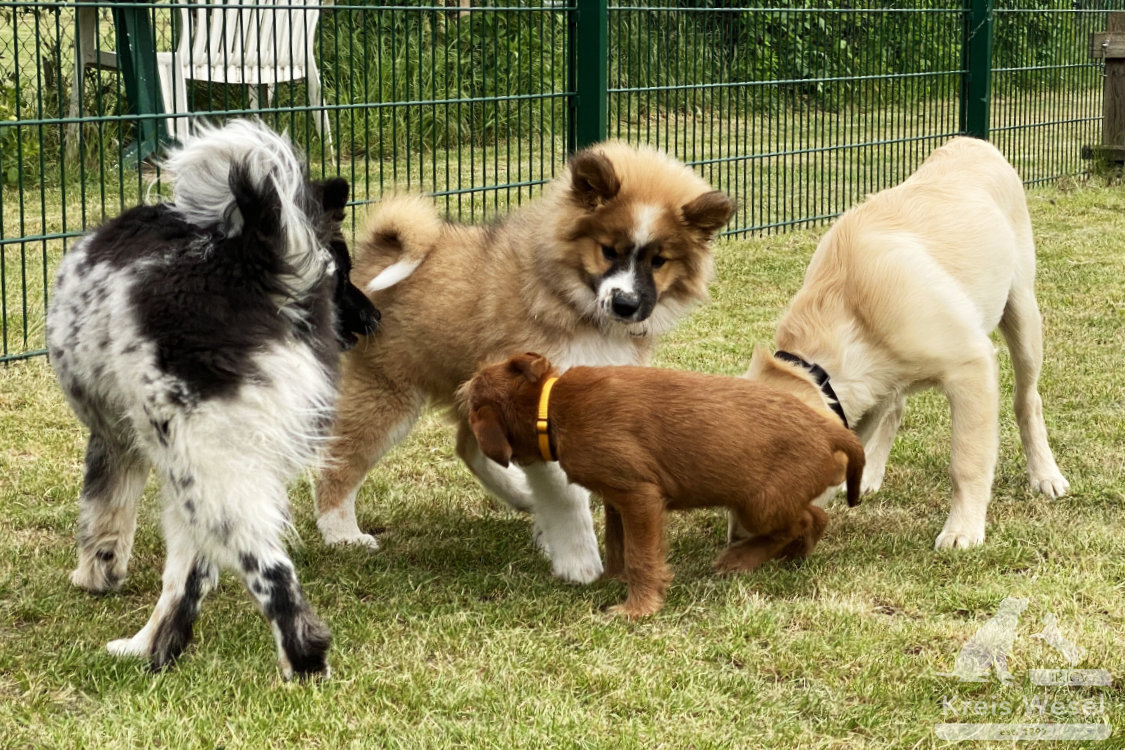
455 634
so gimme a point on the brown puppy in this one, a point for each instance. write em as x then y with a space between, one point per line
649 440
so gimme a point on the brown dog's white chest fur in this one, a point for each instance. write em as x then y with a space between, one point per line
647 440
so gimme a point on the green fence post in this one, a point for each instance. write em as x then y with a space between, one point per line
589 67
976 62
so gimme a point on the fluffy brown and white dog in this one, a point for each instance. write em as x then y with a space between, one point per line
648 440
612 255
901 294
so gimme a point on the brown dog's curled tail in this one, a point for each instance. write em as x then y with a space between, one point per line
850 446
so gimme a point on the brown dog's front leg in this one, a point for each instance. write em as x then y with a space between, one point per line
614 545
646 572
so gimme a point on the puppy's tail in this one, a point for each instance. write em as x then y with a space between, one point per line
245 177
406 227
849 445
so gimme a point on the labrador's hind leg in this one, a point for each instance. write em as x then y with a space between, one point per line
1022 326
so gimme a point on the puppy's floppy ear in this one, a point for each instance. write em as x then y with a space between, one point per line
592 179
534 367
709 212
490 434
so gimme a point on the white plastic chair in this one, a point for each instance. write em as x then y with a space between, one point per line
242 42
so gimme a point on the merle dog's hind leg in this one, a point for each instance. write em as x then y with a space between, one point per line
107 516
302 637
202 536
240 520
188 577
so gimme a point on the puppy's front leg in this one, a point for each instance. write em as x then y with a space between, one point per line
614 544
972 391
646 569
877 432
564 528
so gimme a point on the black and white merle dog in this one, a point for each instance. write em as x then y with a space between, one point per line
201 338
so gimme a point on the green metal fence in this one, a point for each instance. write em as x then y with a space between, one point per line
796 111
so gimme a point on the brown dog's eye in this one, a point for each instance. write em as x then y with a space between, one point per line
658 261
609 253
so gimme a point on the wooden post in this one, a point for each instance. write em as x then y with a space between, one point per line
1109 45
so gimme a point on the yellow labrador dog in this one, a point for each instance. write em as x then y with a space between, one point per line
902 294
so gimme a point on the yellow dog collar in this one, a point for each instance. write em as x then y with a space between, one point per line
541 422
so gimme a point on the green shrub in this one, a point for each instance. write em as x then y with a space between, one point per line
19 144
403 61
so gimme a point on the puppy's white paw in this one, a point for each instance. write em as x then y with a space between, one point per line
574 558
98 577
954 537
578 563
539 540
86 579
1053 485
338 528
578 570
359 538
130 648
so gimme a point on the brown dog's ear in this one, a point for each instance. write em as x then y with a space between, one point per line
531 365
592 179
709 212
490 435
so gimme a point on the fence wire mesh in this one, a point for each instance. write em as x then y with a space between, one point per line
796 111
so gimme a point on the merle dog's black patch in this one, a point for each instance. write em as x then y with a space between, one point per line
304 637
174 632
208 302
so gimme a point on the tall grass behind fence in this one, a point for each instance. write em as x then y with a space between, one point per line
798 109
468 105
801 111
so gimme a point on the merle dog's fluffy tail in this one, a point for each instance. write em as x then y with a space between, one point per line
244 177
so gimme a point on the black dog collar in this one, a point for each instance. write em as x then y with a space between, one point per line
821 378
